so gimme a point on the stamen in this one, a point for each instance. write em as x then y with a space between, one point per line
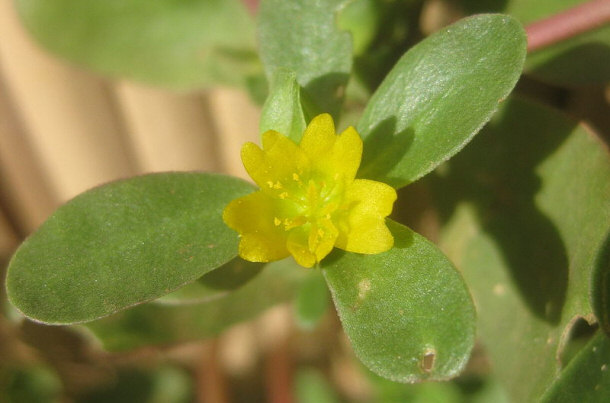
277 221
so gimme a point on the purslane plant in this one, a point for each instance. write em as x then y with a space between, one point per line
405 308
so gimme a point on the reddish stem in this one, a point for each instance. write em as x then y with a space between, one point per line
567 24
251 5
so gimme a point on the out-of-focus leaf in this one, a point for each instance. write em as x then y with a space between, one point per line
161 324
282 111
527 210
124 243
162 385
601 292
438 96
302 36
215 284
179 44
407 311
361 18
312 301
587 377
23 384
312 387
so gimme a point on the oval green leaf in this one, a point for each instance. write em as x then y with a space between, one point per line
124 243
438 96
407 312
179 44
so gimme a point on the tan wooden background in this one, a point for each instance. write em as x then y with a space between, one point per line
64 130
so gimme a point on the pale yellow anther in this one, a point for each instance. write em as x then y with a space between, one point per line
320 233
277 185
270 184
277 221
283 195
295 177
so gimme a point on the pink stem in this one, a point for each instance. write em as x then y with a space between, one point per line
567 24
251 5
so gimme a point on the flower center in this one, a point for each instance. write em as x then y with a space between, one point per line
311 200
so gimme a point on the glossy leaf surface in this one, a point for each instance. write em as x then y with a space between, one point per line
124 243
438 96
407 311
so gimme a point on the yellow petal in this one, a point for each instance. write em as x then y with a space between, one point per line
329 153
322 237
347 153
319 136
368 234
279 159
298 247
368 197
363 230
254 218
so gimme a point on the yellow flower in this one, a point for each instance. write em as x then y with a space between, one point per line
309 200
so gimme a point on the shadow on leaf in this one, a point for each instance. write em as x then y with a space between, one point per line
383 150
497 173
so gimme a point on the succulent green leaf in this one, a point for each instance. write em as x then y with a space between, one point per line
282 110
215 284
302 36
161 324
407 312
587 377
311 386
438 96
527 216
122 244
178 44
